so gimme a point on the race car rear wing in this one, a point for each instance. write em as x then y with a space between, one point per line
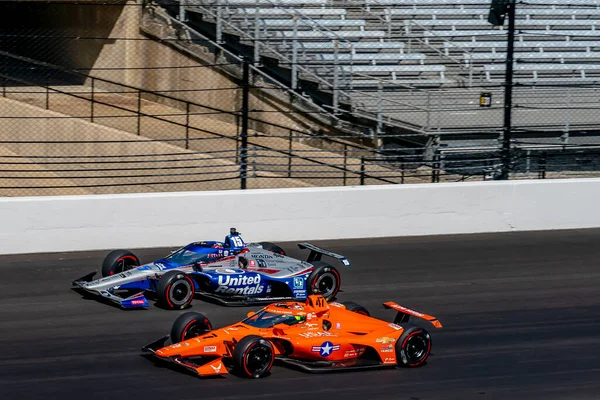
405 313
316 253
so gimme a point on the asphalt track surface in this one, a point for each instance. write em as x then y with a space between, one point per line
521 315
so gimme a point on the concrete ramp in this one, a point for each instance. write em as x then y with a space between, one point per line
207 132
66 155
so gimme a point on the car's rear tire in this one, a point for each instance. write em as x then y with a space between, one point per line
175 290
272 247
118 261
413 347
189 325
357 308
253 356
324 280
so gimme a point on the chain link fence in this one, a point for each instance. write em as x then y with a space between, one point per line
137 96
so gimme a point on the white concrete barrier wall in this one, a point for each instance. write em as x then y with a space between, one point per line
51 224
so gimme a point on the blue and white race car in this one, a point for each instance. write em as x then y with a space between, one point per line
231 272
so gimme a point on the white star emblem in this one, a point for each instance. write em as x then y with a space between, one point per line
326 349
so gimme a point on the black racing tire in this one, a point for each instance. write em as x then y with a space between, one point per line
175 290
118 261
324 280
272 247
413 347
357 308
189 325
253 356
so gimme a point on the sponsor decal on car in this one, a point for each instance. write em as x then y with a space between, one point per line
309 335
387 349
396 327
298 283
326 349
210 349
389 360
354 353
264 256
385 340
242 284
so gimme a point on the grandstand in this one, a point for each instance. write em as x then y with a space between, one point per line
420 65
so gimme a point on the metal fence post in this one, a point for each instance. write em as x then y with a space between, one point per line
295 54
345 162
362 170
244 133
542 166
139 112
290 155
47 95
187 125
92 102
379 108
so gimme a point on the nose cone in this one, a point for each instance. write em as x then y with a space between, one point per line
169 351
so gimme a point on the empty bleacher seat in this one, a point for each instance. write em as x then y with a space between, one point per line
326 34
282 12
370 57
267 3
303 23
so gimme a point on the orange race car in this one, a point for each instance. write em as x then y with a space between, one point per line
314 335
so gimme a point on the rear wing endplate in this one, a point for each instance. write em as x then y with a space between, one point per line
404 313
316 253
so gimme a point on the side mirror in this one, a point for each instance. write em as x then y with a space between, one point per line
250 313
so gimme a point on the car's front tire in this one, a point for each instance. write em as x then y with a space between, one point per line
189 325
324 280
118 261
175 290
253 356
413 347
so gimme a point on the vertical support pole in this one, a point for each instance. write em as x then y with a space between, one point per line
565 136
428 124
336 79
47 94
362 170
290 155
139 113
379 108
542 166
256 36
4 87
187 125
182 14
295 54
244 133
92 102
507 130
345 162
219 22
